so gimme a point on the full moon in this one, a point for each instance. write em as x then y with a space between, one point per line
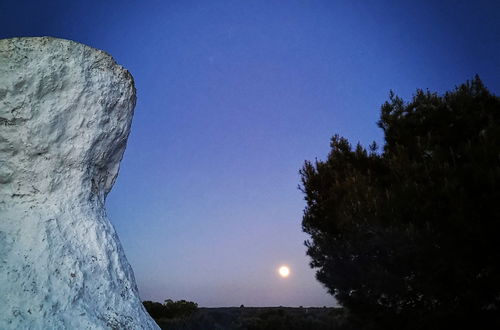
284 271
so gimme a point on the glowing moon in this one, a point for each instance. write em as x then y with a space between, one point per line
284 271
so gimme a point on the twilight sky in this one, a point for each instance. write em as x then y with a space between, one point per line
233 96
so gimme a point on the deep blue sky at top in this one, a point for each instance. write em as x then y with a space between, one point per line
233 96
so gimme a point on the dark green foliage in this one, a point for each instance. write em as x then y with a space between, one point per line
170 309
406 237
180 308
155 309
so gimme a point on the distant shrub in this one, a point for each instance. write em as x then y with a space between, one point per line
170 309
155 309
180 308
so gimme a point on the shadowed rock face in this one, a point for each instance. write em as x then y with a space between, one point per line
65 114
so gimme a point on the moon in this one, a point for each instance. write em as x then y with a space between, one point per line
284 271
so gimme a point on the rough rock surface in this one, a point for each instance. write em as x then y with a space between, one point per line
65 114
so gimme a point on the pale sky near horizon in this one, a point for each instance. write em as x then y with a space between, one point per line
233 96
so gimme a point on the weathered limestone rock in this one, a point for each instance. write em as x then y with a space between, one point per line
65 114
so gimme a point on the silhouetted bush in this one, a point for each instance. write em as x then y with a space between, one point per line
155 309
170 309
180 308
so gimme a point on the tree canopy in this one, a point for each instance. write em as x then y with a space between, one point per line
407 236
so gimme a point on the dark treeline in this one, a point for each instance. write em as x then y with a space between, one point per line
249 318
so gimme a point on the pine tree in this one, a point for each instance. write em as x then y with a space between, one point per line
407 237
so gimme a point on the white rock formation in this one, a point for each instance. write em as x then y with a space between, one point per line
65 114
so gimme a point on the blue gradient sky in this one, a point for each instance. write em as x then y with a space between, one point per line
233 96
